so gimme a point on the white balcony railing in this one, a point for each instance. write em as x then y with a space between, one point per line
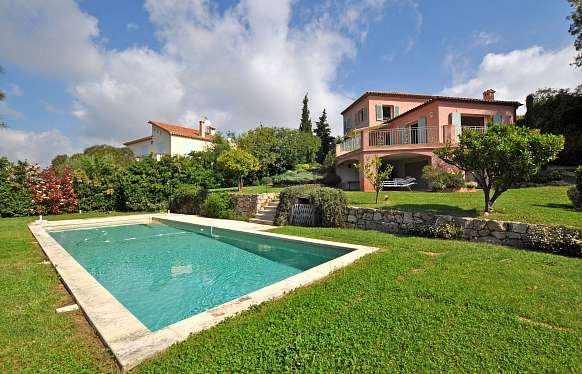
481 129
404 135
351 144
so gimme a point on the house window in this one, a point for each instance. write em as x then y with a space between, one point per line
144 150
387 112
360 116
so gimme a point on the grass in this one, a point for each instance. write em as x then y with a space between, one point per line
33 337
549 205
417 305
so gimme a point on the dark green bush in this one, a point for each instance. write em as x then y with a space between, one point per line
218 205
15 198
439 179
547 176
296 177
329 204
575 193
188 199
579 178
446 231
555 239
331 179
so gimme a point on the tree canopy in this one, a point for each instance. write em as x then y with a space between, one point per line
323 132
376 173
558 112
238 162
576 29
305 124
502 156
278 149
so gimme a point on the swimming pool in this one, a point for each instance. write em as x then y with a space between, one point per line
166 272
148 281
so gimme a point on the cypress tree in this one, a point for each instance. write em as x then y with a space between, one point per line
323 131
305 124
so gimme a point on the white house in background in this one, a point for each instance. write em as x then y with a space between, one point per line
170 139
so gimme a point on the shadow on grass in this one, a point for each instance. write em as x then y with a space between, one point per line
556 206
436 209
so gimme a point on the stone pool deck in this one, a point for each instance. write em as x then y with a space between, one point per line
130 340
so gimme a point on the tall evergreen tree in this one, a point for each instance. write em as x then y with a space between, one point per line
323 131
576 29
305 124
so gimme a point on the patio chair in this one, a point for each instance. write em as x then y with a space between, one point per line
399 183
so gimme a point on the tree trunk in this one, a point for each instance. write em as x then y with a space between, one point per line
377 193
240 184
488 204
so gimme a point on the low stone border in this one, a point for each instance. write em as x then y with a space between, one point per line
132 342
474 229
249 205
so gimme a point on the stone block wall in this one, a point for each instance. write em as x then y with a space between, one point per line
398 222
249 204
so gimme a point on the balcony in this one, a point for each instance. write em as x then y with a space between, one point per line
402 138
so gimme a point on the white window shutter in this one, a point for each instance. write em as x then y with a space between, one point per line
456 119
396 111
379 114
365 113
497 119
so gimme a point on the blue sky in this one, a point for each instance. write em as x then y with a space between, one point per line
86 72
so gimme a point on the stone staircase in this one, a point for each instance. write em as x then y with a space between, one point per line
266 216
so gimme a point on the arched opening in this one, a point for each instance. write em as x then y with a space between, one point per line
409 165
349 175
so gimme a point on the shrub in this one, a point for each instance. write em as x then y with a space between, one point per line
471 184
188 199
50 193
15 199
218 205
555 239
547 176
331 179
575 193
439 179
446 231
329 204
296 177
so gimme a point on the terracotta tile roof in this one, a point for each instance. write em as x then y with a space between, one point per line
138 140
429 98
177 130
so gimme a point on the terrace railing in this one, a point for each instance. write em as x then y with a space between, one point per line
351 144
481 129
404 135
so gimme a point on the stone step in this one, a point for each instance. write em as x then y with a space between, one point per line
269 216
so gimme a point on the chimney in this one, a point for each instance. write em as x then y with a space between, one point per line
201 128
489 95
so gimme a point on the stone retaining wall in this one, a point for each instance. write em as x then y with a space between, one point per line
249 204
398 222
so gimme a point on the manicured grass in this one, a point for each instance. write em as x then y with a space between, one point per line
33 337
460 307
472 307
548 205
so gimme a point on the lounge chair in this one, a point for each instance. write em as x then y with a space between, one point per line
399 183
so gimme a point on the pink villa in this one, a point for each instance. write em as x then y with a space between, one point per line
404 129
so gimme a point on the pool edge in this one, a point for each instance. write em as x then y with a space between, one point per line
129 340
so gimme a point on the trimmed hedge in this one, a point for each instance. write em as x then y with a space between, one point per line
575 193
296 177
188 199
329 204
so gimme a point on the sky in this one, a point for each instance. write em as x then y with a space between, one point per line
79 73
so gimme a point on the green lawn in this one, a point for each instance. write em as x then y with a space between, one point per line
456 307
548 205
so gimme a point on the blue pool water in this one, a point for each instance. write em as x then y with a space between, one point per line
163 274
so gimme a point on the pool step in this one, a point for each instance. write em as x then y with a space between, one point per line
267 215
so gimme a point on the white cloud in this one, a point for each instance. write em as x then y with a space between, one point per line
7 111
484 38
249 64
14 90
51 37
51 108
38 147
132 26
518 73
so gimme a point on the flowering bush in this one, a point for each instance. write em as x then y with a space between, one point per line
51 194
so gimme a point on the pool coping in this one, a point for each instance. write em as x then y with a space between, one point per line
130 341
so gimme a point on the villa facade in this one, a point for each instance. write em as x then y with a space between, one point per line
404 129
170 139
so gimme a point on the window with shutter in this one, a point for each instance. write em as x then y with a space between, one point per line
396 111
379 114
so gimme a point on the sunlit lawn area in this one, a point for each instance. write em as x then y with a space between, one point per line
548 205
417 305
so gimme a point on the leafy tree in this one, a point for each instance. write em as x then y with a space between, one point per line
119 156
576 29
558 112
15 199
305 124
376 173
51 193
323 132
238 162
502 157
279 149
